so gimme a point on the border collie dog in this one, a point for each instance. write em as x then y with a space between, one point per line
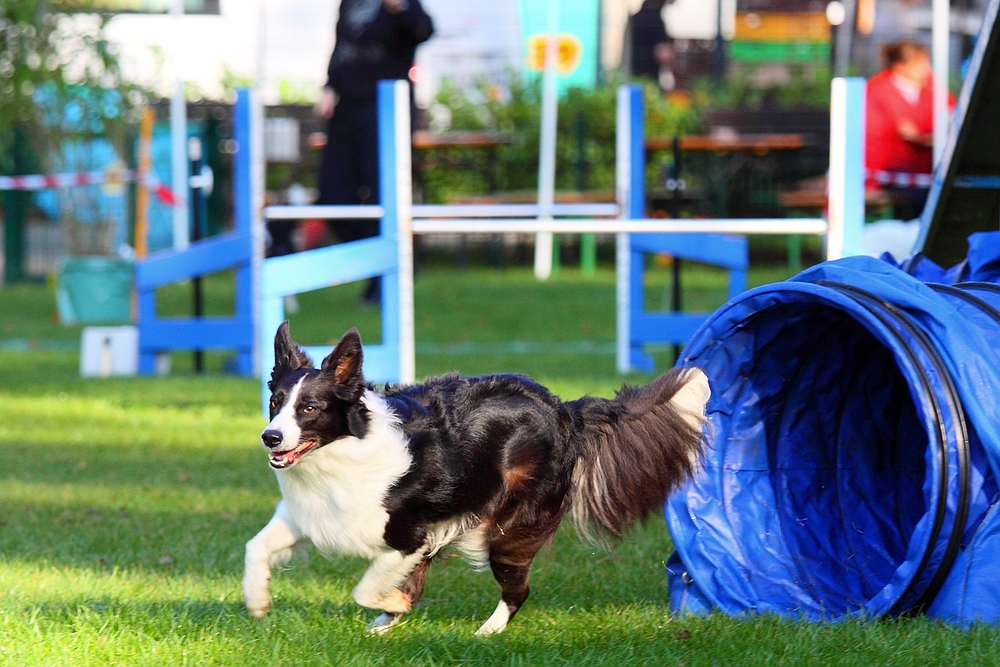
488 465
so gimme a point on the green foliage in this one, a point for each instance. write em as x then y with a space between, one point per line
585 145
807 86
59 78
297 92
233 81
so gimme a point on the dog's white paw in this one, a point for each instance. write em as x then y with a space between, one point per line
393 602
496 623
258 609
258 612
383 622
257 601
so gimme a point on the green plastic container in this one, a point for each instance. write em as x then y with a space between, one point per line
95 290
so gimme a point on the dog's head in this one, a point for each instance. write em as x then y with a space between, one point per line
313 407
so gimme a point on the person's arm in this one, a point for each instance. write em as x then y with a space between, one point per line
663 50
909 131
332 74
328 97
877 126
664 53
326 103
410 15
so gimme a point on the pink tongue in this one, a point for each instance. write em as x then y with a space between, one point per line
285 458
293 455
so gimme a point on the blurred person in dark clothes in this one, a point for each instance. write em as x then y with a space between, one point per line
375 40
648 51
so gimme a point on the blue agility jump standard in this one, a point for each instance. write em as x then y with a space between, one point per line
231 250
637 326
387 255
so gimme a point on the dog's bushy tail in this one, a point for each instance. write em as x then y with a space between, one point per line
635 449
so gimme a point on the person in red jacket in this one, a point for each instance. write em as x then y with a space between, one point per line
899 125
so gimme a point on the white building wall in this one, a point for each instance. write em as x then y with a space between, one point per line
286 43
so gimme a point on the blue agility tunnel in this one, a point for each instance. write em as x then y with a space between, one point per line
855 447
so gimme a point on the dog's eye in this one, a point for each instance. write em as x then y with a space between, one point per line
273 404
309 409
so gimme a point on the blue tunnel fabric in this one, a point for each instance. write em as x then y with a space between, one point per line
855 446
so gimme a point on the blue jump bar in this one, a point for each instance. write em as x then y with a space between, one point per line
977 182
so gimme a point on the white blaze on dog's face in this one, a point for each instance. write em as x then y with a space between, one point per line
285 436
310 407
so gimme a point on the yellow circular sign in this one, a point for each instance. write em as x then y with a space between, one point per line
569 51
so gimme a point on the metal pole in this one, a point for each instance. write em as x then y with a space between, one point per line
629 185
847 174
142 189
622 330
676 304
404 230
16 204
624 225
588 243
675 212
547 147
246 214
396 197
940 33
196 184
845 38
178 134
719 57
256 173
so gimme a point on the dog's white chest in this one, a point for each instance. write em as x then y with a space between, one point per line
336 494
337 520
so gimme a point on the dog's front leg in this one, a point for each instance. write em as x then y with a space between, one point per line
379 587
413 588
271 546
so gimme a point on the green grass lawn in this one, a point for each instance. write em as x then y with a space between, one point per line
125 505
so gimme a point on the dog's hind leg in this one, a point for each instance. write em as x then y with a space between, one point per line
271 546
412 588
511 571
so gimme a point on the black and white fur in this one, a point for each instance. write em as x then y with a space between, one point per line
488 465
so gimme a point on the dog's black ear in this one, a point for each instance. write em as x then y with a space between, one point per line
288 356
344 364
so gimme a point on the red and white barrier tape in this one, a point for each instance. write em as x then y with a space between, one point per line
900 178
48 181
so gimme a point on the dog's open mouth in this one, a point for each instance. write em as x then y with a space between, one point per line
282 460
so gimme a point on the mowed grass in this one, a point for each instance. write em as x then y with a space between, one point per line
125 505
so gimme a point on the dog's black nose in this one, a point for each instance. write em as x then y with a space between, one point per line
271 439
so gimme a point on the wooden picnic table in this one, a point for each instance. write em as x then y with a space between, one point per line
726 143
425 139
426 144
730 152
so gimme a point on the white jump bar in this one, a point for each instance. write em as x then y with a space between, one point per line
313 212
591 210
656 225
284 212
